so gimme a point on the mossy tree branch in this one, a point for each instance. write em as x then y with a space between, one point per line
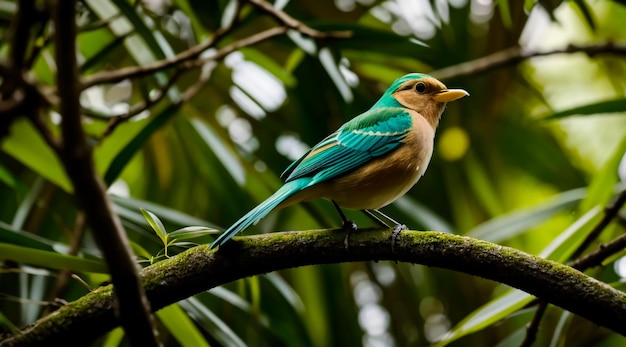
199 269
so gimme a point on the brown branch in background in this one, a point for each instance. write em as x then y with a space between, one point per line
41 126
136 109
132 305
533 326
194 52
292 23
515 55
248 41
115 76
604 251
99 23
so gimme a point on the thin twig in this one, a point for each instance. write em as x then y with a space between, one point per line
194 52
99 23
533 326
139 71
292 23
39 124
248 41
609 213
606 250
136 109
515 55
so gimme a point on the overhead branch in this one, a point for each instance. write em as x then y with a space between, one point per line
118 75
189 57
516 55
292 23
201 268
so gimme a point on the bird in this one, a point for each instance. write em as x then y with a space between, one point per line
370 161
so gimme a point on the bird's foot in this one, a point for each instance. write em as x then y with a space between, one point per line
348 227
395 234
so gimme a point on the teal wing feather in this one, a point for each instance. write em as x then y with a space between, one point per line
371 134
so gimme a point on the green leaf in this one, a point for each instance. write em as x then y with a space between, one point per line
181 327
422 214
48 259
505 13
609 106
125 155
138 250
560 331
229 159
192 232
481 185
114 338
486 315
14 236
270 66
602 187
566 243
7 325
27 146
156 225
7 177
586 13
212 323
517 222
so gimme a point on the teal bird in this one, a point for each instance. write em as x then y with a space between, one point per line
371 160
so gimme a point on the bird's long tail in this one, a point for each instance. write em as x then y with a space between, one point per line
282 194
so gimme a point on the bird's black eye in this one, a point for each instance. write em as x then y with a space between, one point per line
420 87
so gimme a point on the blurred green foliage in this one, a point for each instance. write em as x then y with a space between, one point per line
515 163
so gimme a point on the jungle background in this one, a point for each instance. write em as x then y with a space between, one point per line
192 109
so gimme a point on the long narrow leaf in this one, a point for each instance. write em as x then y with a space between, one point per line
602 187
181 327
121 160
49 259
517 222
610 106
486 315
212 323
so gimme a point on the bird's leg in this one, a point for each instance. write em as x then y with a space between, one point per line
347 225
397 229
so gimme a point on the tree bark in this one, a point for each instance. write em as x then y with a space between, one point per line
199 269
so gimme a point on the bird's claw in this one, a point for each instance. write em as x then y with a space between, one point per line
348 226
395 234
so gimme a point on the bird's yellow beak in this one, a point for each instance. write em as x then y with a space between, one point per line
450 95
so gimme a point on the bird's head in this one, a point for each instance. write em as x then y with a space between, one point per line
421 93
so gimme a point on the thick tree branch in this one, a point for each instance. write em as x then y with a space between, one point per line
200 268
516 55
133 307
